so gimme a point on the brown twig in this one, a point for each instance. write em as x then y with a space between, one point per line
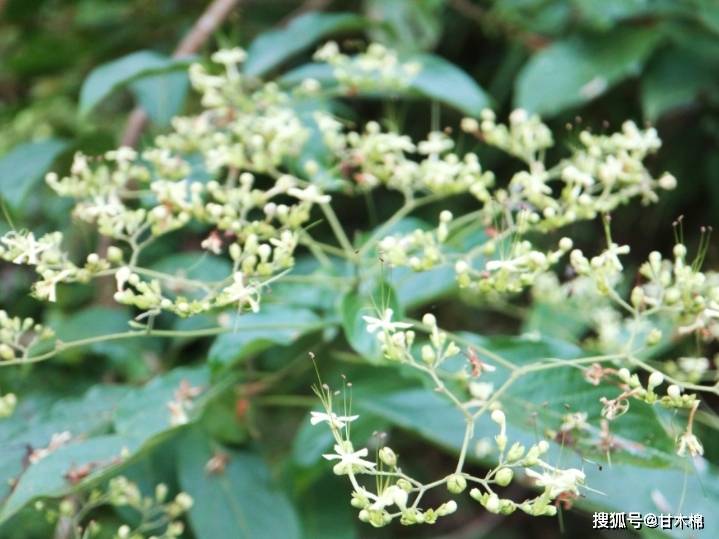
211 19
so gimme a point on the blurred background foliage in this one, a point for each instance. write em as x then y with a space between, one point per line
71 71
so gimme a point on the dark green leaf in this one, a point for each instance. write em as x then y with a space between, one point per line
108 77
161 96
406 26
274 47
572 71
24 165
675 79
238 502
445 82
254 332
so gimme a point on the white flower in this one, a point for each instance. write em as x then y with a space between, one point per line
122 275
240 293
335 421
557 481
385 323
349 459
310 194
689 443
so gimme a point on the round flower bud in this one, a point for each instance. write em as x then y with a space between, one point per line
655 379
543 446
492 504
667 181
504 476
674 391
456 483
499 417
445 216
387 456
565 244
654 337
428 355
447 508
469 125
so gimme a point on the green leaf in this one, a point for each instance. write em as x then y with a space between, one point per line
372 302
255 332
91 322
325 515
578 69
240 501
273 48
437 79
143 412
105 79
48 477
445 82
24 165
162 96
194 265
37 418
107 425
406 26
675 79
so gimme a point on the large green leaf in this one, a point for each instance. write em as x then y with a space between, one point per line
107 426
144 411
274 47
675 79
406 26
49 477
255 332
162 96
239 501
24 165
575 70
445 82
108 77
438 79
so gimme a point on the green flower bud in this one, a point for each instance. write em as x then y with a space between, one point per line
504 476
388 457
456 483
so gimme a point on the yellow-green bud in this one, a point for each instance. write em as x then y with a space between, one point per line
504 476
388 457
456 483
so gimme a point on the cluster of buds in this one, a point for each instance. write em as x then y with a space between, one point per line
674 397
679 289
420 250
556 482
517 270
393 488
45 255
376 68
603 172
156 511
19 335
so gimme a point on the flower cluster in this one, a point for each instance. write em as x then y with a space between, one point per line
398 495
19 335
374 157
253 210
377 68
159 517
